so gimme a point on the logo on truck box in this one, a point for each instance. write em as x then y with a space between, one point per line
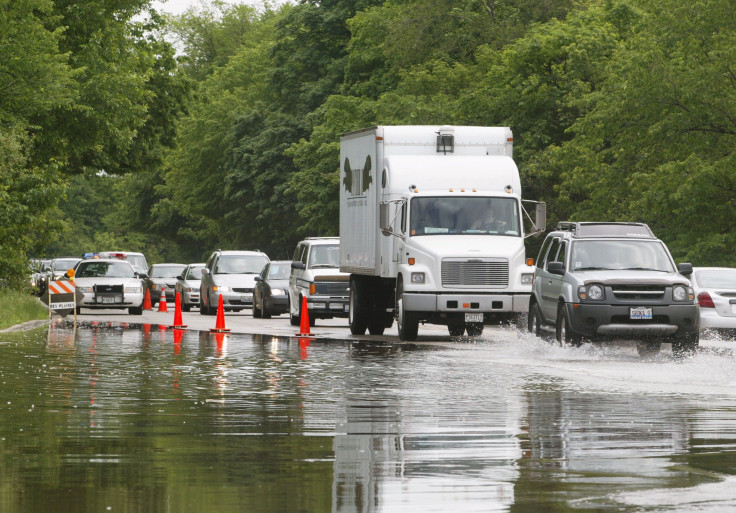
357 181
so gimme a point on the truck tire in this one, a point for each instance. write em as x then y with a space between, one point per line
563 332
408 322
377 321
359 313
135 310
456 329
474 329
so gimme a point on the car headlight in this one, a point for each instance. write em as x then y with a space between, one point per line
134 290
189 289
86 290
277 292
682 293
593 292
527 278
221 289
417 277
156 286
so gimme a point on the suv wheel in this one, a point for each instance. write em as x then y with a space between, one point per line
647 349
687 345
564 333
534 322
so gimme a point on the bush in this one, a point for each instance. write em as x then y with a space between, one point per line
18 307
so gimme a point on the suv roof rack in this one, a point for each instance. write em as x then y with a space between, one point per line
606 229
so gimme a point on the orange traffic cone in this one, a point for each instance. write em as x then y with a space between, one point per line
220 324
304 326
147 301
178 322
162 303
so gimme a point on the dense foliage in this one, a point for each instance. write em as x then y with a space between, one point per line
621 110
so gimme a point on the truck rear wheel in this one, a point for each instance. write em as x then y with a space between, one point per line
359 313
378 316
456 329
474 329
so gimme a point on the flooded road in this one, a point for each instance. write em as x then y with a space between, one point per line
141 419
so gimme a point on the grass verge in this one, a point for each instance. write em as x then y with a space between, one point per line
18 307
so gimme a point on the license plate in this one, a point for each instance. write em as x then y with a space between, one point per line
108 300
335 306
347 308
640 312
473 317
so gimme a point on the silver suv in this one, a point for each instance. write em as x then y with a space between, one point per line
315 274
230 274
602 281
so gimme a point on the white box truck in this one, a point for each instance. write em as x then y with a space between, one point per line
432 228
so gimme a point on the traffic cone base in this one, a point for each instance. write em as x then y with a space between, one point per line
178 322
147 301
220 324
304 325
162 302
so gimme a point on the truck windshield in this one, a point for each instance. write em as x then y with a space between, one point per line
632 255
464 215
324 256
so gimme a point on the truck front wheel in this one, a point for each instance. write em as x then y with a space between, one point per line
359 311
408 322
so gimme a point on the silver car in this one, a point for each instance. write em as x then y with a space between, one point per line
59 267
230 274
109 283
715 290
187 285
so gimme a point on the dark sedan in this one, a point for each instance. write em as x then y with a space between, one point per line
270 296
163 276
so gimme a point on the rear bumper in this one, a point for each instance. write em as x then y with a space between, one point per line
709 318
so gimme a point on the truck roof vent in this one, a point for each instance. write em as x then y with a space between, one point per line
446 140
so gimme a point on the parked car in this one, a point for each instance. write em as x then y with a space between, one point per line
59 266
715 290
270 295
136 259
187 285
230 274
315 274
163 277
603 281
109 283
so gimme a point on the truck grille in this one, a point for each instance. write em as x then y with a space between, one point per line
475 273
242 290
630 292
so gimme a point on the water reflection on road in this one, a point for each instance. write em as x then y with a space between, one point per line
103 418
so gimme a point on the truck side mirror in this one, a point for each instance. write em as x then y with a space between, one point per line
383 219
298 265
685 269
540 223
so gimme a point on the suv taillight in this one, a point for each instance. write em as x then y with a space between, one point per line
705 300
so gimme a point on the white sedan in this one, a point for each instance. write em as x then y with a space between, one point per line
715 290
109 283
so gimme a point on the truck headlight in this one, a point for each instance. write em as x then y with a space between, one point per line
527 278
682 293
417 277
277 292
593 292
220 289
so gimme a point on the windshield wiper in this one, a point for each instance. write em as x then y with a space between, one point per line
644 269
323 266
592 269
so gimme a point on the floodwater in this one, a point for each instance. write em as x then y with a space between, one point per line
148 420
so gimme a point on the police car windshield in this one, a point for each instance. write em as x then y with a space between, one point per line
619 255
96 269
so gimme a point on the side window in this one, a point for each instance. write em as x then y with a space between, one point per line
403 217
210 262
543 253
305 253
561 253
550 257
298 253
264 272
